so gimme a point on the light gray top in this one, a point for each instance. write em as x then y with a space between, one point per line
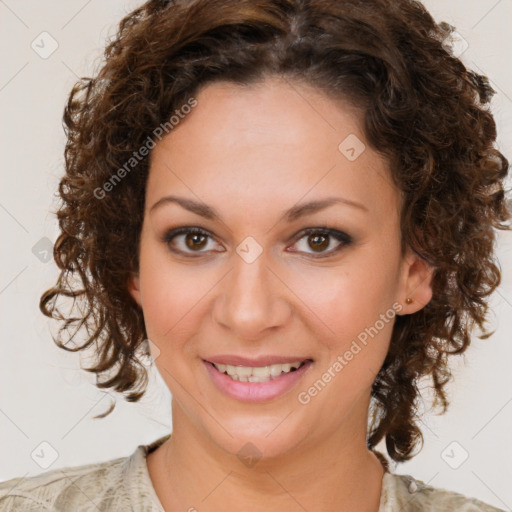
124 484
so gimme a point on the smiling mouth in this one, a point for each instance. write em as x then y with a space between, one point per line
259 373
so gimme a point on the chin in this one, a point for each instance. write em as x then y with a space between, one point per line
256 440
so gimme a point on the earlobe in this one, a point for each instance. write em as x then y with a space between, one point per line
417 284
134 288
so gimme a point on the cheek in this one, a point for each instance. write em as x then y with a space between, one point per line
352 324
344 301
171 294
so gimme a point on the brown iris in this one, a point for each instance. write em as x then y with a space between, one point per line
192 239
317 241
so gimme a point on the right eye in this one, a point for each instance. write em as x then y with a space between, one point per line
193 240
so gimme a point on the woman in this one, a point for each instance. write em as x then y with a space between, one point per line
296 202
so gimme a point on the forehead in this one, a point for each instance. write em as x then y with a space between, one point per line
275 140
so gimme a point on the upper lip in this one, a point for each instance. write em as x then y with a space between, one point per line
254 362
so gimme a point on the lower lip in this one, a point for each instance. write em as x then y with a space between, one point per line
256 391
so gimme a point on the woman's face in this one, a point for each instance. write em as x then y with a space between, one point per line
257 291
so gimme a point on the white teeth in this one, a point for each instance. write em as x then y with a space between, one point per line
260 372
256 374
243 371
275 370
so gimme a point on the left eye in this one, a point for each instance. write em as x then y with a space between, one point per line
320 238
196 239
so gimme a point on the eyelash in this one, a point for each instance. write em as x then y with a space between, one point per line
342 237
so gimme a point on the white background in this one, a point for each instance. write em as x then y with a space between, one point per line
44 397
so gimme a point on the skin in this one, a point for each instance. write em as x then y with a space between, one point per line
251 153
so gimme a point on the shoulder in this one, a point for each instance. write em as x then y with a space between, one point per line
117 484
67 488
405 493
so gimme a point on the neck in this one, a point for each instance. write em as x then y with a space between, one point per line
336 472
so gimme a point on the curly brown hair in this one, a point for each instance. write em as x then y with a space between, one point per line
422 109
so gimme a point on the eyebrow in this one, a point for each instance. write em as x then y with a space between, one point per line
290 215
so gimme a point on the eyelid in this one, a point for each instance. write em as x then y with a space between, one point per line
335 233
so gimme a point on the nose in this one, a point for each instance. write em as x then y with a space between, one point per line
252 300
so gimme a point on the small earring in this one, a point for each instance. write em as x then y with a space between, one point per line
408 300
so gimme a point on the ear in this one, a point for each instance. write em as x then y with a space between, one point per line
134 288
416 283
